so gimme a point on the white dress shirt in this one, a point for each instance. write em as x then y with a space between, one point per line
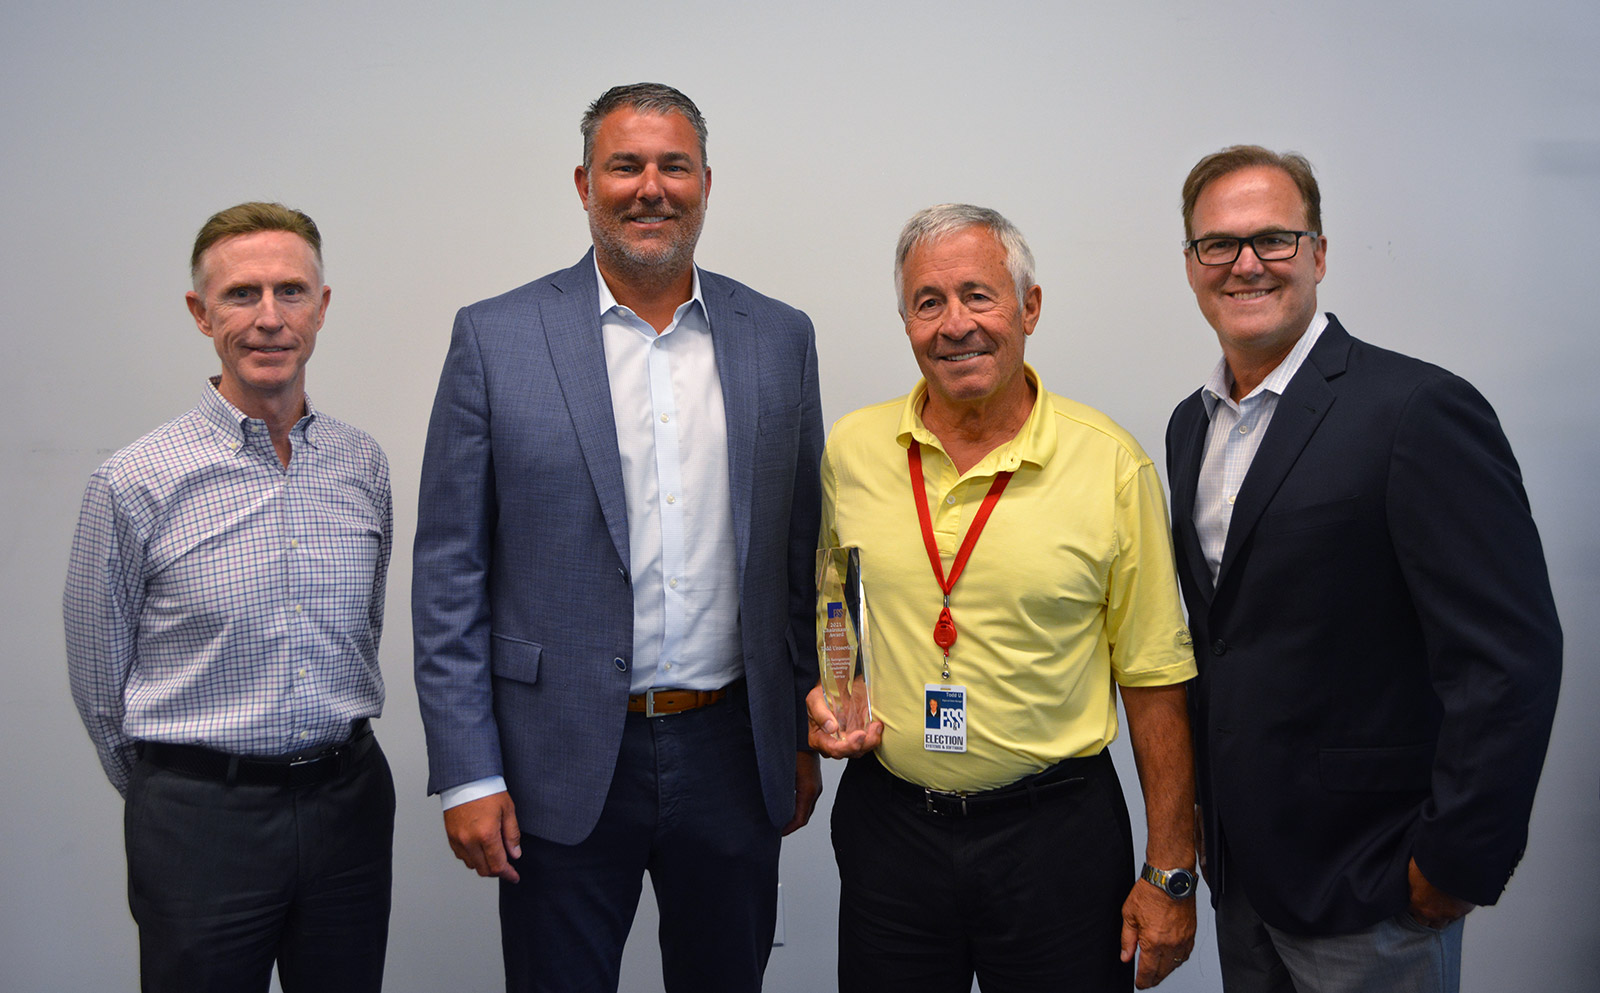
672 434
1233 438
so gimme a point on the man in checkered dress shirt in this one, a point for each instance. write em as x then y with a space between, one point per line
223 606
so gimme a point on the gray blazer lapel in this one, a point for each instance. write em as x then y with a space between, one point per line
571 319
1301 408
734 339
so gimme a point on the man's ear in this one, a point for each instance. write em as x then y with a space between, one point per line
197 309
580 177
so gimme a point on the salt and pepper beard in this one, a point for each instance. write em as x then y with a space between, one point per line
662 260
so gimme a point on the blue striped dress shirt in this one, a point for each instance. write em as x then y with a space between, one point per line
217 597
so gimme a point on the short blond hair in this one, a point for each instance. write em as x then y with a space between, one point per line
248 218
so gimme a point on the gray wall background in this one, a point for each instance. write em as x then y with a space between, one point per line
1458 146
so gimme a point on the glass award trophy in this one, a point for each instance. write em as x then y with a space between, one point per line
842 638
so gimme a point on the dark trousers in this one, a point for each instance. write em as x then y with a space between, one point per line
1025 899
224 880
685 805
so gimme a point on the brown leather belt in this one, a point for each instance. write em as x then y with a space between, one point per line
660 703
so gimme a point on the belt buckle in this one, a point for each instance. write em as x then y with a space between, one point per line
928 795
302 770
650 704
306 769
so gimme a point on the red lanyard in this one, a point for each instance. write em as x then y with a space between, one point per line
944 632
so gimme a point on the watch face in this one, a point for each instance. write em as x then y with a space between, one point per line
1180 883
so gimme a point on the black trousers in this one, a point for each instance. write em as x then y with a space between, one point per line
1026 899
224 880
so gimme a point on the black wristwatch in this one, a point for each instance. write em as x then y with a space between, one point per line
1177 883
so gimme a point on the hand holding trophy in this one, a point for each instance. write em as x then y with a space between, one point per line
841 706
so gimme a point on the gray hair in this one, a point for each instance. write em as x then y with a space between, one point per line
945 219
649 98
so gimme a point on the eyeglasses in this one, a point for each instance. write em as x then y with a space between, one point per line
1269 246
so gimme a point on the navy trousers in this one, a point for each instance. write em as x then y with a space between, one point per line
685 806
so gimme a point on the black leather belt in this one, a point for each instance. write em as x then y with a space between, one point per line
1026 792
309 769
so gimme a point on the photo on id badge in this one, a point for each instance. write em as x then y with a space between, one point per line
944 721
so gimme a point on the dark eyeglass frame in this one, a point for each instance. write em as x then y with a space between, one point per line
1193 245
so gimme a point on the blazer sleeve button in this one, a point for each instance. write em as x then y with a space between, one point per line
1219 647
622 664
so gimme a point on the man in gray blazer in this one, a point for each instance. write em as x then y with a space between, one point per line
612 595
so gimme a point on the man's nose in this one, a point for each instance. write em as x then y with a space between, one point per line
958 321
650 184
1248 263
268 313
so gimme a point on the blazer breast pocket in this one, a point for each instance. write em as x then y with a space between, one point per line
777 415
1392 769
777 435
513 658
1309 517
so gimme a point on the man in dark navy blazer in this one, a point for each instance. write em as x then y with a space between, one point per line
613 594
1378 647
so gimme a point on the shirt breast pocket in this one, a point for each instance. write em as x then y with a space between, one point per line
336 561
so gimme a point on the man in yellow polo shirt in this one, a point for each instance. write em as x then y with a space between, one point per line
1018 566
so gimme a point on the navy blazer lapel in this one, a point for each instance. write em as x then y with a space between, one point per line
733 337
1304 403
1190 445
571 319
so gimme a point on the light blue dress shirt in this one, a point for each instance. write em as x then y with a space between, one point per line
218 597
672 436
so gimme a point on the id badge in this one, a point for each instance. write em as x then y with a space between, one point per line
944 718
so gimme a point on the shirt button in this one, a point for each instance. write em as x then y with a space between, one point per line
301 673
1244 429
673 582
304 735
665 418
951 499
297 608
671 498
1231 497
666 665
621 664
294 542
